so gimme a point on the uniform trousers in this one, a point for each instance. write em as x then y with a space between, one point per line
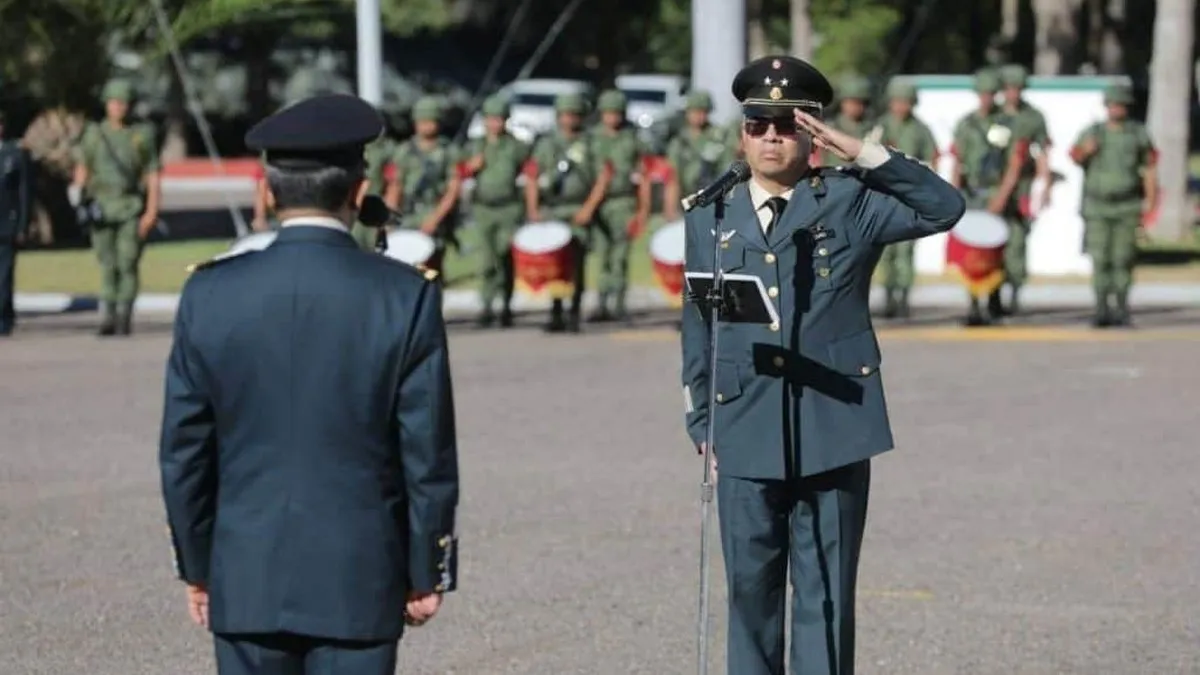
813 528
288 654
8 264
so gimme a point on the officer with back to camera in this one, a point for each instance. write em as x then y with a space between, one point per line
308 452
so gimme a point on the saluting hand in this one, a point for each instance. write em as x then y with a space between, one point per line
843 145
421 608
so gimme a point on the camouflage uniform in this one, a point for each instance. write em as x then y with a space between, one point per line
914 138
1028 123
498 209
424 176
983 147
378 156
851 88
117 162
623 202
1113 199
698 157
567 170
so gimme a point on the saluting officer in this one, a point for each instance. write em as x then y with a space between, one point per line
497 206
426 185
567 182
900 129
1029 124
309 523
854 93
626 205
697 154
1120 185
117 168
800 403
16 207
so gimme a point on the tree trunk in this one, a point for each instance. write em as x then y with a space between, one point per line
756 34
802 30
1170 101
174 146
1057 36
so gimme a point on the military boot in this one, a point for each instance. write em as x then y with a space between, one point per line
1120 315
486 318
890 307
1014 303
995 307
1103 315
556 324
125 320
620 311
108 322
601 315
902 308
975 314
506 317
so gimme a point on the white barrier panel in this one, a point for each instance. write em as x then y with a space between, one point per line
1070 105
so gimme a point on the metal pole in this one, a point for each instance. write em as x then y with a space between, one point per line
551 35
370 51
718 51
189 92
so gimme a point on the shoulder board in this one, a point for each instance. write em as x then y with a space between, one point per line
841 171
213 262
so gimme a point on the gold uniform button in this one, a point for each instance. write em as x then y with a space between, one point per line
724 244
439 588
866 370
778 361
720 397
773 291
770 258
775 326
824 272
822 251
444 542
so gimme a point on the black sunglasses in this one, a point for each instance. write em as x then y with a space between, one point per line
757 126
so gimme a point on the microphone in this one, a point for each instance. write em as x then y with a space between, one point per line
738 172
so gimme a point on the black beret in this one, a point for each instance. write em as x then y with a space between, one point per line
767 85
327 130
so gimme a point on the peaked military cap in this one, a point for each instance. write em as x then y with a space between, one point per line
318 132
775 84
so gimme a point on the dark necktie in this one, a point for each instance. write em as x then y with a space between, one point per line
777 205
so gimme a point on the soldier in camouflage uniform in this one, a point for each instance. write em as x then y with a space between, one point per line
1030 123
854 92
426 185
1120 184
117 169
567 183
497 207
378 155
697 154
902 130
990 150
626 205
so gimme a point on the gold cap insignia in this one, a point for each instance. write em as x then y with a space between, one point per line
776 64
776 93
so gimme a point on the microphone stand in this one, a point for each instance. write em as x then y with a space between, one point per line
715 300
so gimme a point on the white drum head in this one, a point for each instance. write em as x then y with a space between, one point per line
981 229
410 246
544 237
251 242
667 244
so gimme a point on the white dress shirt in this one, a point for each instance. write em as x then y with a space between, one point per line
315 221
871 156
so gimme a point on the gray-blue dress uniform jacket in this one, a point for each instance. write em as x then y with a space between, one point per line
805 395
308 452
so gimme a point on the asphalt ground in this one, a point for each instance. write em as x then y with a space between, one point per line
1037 517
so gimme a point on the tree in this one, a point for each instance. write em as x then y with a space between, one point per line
1170 99
802 30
